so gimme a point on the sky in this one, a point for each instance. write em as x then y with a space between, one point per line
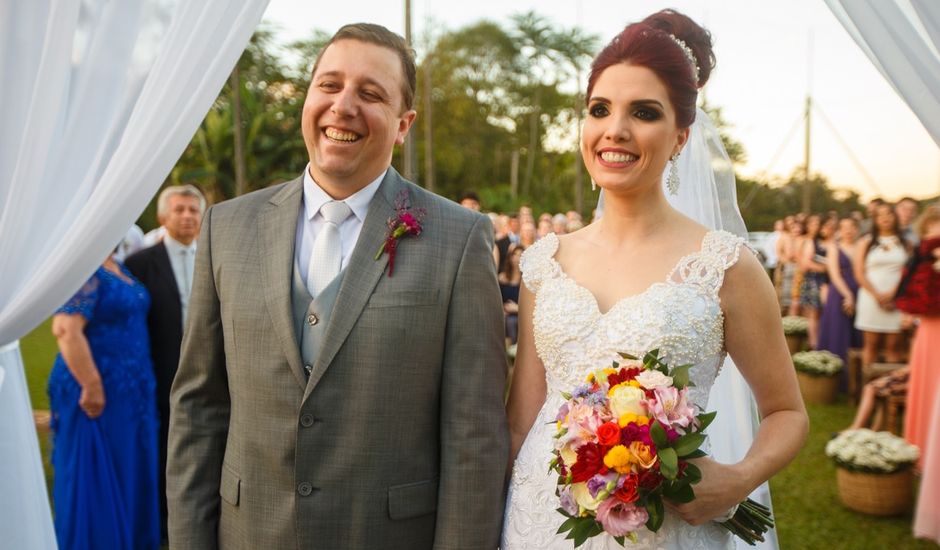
770 54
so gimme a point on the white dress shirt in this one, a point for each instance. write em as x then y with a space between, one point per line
183 262
310 220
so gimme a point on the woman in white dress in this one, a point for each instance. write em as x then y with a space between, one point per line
878 263
645 277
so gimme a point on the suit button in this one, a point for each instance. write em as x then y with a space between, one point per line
304 488
312 319
307 420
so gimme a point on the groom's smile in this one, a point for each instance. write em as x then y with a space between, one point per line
354 115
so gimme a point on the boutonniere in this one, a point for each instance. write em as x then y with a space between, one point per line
406 221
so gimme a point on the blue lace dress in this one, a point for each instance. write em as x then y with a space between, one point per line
105 490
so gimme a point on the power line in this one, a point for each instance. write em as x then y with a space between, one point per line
858 164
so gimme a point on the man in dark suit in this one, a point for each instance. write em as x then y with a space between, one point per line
166 269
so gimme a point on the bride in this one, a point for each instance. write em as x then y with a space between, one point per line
646 277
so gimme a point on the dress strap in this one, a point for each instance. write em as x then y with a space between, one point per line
538 264
720 250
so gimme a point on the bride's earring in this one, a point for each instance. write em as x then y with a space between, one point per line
593 185
672 183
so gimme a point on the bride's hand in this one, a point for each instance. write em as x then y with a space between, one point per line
720 489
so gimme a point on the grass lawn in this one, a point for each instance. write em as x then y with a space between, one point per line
806 505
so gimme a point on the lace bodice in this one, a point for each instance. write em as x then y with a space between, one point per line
681 316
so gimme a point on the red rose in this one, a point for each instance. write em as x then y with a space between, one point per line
590 462
608 434
623 375
628 493
649 479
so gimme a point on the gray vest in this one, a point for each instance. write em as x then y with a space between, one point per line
312 315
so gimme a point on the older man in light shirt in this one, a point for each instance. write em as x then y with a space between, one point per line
166 269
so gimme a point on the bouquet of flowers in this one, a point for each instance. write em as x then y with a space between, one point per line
794 324
817 363
871 452
623 444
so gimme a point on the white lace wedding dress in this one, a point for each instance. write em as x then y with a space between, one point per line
679 316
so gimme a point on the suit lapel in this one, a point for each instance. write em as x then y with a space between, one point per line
278 224
362 274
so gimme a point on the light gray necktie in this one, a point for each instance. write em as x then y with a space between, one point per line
187 273
327 256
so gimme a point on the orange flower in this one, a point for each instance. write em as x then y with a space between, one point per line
608 434
643 455
628 493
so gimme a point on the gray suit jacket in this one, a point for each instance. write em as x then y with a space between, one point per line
398 437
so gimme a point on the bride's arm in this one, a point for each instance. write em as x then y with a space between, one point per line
754 339
527 393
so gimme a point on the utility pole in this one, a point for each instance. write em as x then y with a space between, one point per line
408 150
809 106
235 85
428 128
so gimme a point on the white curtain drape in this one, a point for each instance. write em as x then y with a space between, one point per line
902 39
99 99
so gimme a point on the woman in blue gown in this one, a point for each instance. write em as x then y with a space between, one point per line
104 417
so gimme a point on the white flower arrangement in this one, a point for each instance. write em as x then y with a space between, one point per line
872 452
795 325
818 363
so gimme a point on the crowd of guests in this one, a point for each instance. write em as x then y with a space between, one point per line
872 284
119 339
513 234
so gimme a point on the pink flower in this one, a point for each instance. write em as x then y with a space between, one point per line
582 423
620 518
670 407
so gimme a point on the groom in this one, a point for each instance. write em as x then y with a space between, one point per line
323 399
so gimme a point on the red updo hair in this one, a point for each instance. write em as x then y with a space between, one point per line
650 44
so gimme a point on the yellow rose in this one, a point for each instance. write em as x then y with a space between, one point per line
642 455
583 497
626 399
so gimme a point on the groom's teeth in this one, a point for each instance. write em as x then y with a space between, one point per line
610 156
339 135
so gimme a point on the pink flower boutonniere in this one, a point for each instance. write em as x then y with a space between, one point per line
406 221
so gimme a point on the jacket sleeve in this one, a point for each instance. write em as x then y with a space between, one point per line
474 435
199 412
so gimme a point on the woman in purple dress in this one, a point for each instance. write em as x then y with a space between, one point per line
837 332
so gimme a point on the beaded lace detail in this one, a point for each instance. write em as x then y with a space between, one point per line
681 316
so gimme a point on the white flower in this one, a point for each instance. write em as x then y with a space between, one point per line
627 399
818 363
866 450
652 379
583 496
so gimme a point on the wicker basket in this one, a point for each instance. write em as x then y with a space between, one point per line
876 494
818 389
795 342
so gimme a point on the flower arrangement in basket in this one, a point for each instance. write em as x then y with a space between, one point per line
816 373
872 452
794 325
623 444
818 363
874 471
